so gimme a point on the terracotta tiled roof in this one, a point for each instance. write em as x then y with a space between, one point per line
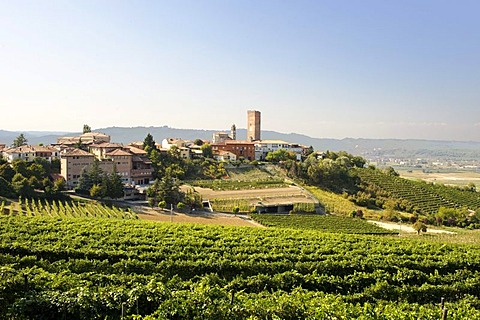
135 150
106 145
118 152
76 152
29 148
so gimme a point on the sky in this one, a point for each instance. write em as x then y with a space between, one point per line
406 69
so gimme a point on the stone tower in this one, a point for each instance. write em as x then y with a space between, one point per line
233 132
253 125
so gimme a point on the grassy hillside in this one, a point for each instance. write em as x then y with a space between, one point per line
94 268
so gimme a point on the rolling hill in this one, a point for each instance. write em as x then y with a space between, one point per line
369 148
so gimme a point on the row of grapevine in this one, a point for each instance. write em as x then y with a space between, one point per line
219 184
427 198
325 223
59 209
227 205
304 207
89 268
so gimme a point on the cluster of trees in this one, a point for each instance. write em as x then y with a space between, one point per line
166 192
458 217
171 162
331 172
100 184
21 179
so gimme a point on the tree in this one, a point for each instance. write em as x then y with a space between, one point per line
181 206
86 128
7 172
20 141
207 150
97 191
21 186
162 204
280 155
149 143
20 166
114 185
37 170
96 173
6 189
84 182
198 142
391 172
420 227
308 151
166 189
79 144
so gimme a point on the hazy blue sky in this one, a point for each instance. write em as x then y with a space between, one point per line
372 69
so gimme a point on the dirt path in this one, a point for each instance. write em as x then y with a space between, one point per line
402 228
201 218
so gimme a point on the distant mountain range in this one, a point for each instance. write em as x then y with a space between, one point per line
369 148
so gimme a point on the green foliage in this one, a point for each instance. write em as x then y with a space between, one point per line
207 150
162 204
280 155
21 186
98 191
238 185
324 223
86 128
441 204
303 207
166 189
88 268
20 141
114 185
97 183
228 205
69 209
420 227
149 143
332 172
180 206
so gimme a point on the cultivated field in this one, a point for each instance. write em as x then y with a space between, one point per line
199 218
458 178
226 200
84 268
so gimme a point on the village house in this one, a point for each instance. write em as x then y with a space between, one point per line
72 163
131 164
241 149
29 153
141 172
88 138
168 143
263 147
223 155
101 149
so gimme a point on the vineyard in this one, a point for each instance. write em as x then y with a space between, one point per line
239 184
102 268
333 224
58 209
427 198
337 204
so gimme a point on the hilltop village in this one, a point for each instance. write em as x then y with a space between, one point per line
131 162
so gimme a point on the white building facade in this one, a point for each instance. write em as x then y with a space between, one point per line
263 147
